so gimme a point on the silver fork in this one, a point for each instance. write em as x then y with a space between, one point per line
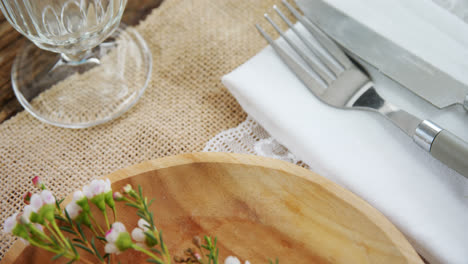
339 83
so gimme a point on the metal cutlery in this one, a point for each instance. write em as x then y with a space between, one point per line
338 82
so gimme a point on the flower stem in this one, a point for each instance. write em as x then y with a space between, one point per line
94 230
96 224
57 229
87 243
66 255
40 233
115 214
138 248
106 218
54 234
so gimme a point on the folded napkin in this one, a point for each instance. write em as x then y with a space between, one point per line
365 153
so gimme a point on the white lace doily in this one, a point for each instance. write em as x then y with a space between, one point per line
250 138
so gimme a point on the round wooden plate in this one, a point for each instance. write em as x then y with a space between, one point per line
258 208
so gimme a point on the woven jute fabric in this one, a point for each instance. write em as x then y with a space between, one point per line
193 43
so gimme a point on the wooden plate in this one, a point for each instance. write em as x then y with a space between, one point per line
259 208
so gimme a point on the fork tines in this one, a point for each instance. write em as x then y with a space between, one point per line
324 57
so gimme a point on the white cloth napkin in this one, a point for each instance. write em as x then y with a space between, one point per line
365 153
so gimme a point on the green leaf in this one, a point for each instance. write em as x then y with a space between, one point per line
58 202
67 229
56 243
95 250
78 226
68 218
85 248
78 240
156 251
71 261
132 205
73 247
58 256
141 215
101 238
151 240
161 242
58 217
140 192
151 202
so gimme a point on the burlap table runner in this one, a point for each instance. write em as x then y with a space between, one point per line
194 43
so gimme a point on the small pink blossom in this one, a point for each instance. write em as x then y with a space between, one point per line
96 187
10 223
73 210
78 195
113 233
117 232
111 248
28 209
47 197
36 202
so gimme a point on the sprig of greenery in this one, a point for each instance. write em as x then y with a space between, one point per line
57 221
213 250
153 236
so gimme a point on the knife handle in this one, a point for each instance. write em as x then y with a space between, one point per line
443 145
452 151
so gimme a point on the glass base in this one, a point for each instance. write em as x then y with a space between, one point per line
97 87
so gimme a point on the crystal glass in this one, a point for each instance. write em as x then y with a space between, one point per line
84 68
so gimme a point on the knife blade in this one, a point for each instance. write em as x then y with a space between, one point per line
440 86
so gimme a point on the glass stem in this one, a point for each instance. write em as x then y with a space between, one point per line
75 58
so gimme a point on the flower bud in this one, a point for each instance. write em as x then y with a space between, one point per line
118 196
27 197
143 224
232 260
127 188
37 182
138 235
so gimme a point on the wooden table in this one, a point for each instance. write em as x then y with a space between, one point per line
11 41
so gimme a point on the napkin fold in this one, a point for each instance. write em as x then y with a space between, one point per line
365 153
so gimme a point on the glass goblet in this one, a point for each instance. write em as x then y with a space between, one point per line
87 69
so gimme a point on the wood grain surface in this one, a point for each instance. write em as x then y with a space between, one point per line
11 41
259 208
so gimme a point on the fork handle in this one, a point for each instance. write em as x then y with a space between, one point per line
443 145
